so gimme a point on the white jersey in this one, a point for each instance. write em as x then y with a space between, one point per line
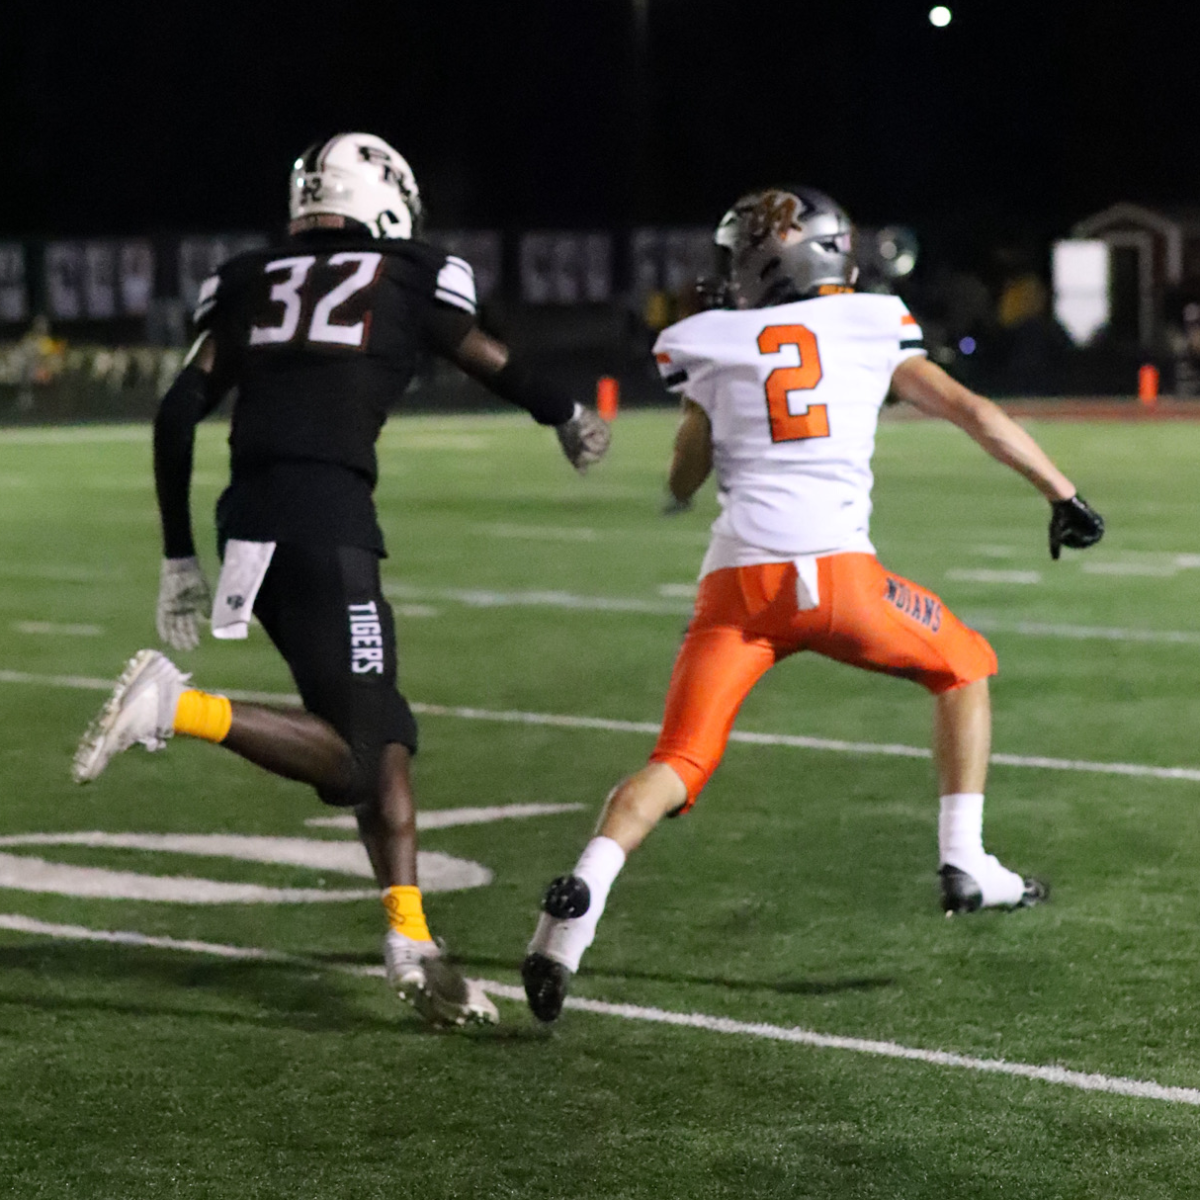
793 393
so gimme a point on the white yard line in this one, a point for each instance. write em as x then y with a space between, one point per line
609 725
1114 1085
481 598
669 606
23 873
449 818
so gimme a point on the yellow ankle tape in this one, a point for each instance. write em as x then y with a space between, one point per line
201 715
405 914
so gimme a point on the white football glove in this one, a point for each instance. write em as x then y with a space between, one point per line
584 438
183 599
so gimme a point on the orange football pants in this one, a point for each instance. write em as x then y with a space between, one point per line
746 620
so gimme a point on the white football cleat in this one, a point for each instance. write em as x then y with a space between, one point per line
423 977
987 883
140 709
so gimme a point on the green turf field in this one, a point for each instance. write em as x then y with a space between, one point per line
800 894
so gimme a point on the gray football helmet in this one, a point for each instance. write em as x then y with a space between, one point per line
784 244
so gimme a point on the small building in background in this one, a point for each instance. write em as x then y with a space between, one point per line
1154 258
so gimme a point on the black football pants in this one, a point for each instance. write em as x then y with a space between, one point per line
323 607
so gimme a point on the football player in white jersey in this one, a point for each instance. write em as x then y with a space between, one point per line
782 387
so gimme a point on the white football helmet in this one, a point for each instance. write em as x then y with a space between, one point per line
360 177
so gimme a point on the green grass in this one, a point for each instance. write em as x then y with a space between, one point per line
801 892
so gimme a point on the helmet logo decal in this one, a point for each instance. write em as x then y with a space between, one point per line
772 216
781 244
356 177
310 188
381 158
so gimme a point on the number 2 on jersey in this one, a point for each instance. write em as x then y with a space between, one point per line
322 326
787 426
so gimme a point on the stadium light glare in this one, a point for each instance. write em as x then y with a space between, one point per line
940 16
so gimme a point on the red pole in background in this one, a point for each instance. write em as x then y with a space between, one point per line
1148 384
608 397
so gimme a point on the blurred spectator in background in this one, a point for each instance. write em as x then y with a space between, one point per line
1183 347
39 359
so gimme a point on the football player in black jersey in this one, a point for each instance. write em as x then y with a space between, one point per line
319 336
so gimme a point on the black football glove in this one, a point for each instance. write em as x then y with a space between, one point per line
673 506
1074 523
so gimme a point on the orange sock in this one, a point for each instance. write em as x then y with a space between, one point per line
203 715
405 914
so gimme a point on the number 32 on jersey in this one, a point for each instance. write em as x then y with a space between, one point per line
291 300
787 426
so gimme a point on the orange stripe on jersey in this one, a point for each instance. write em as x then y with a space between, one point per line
908 319
662 358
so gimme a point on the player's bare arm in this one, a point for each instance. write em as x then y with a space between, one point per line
928 388
583 436
692 460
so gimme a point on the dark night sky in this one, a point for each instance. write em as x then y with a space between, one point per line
1018 118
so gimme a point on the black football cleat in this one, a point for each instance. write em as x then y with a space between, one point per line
546 980
961 892
546 985
566 898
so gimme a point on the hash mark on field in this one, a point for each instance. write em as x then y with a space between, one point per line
1114 1085
1156 570
983 575
1172 637
584 533
471 443
418 610
608 724
543 533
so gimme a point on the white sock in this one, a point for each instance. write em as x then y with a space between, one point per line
960 829
598 866
565 941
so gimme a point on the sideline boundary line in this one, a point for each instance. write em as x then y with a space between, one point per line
1084 1081
669 606
610 725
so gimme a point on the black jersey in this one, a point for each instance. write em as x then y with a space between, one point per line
320 337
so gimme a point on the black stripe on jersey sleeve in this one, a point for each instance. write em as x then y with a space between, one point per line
675 378
449 291
913 344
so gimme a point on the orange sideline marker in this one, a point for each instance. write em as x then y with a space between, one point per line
1148 384
608 397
